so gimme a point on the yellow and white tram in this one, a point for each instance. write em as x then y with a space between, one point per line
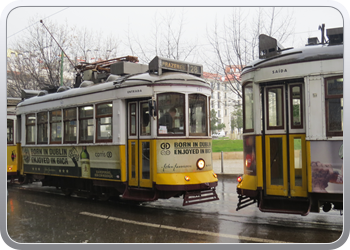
293 127
127 129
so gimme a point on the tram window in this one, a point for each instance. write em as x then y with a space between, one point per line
296 106
197 114
10 131
86 124
56 126
104 122
248 108
171 110
275 108
145 119
70 125
42 128
334 106
30 128
132 119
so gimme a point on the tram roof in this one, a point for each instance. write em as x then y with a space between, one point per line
298 55
116 82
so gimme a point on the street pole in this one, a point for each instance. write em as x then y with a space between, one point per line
222 162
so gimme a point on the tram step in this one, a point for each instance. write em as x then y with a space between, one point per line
200 196
139 194
285 205
244 201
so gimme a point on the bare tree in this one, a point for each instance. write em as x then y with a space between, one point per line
235 40
167 39
35 63
36 60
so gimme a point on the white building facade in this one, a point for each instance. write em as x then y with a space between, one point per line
224 101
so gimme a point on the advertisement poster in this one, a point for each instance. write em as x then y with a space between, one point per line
101 162
177 156
327 166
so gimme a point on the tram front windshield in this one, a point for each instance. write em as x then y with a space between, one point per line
171 114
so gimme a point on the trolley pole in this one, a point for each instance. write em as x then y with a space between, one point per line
62 58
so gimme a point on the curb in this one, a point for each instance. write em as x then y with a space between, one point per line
228 175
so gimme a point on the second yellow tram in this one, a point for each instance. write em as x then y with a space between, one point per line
293 128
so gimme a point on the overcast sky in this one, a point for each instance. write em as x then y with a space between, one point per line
139 20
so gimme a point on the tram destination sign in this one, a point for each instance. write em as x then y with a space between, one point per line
159 65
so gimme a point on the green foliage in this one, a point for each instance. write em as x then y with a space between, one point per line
213 122
237 118
225 145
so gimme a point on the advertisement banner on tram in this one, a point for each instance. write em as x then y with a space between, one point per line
178 156
77 161
327 166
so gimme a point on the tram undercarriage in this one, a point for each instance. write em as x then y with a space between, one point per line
289 205
104 190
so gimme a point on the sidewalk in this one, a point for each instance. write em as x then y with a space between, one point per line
230 166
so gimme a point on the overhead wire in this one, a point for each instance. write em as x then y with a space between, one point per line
37 22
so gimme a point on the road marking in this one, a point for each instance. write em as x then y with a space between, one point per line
179 229
39 204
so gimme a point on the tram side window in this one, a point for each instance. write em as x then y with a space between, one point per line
248 108
171 114
86 124
275 108
104 122
197 114
56 126
10 131
70 125
42 128
334 106
30 128
145 124
296 106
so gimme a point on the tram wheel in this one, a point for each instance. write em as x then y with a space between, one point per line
67 192
103 197
327 207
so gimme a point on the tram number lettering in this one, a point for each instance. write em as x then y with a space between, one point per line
199 89
194 69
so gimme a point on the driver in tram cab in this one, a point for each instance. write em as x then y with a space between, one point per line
167 119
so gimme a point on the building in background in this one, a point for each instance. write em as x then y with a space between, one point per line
223 100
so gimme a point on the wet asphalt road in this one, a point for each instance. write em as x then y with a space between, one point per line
38 214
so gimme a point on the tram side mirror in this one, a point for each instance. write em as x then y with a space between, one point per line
152 107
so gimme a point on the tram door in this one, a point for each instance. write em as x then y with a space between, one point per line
139 145
285 146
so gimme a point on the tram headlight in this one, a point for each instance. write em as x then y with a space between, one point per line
240 179
200 164
187 178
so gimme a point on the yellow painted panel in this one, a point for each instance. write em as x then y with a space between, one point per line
271 189
179 178
145 182
249 182
123 168
259 161
298 191
133 181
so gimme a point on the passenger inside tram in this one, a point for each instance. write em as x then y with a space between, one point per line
167 119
